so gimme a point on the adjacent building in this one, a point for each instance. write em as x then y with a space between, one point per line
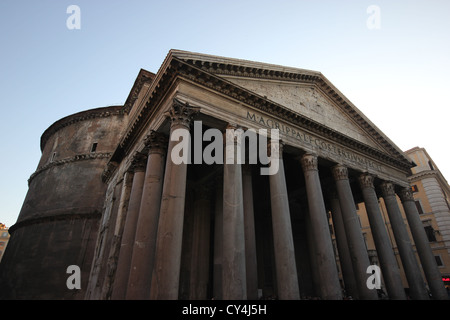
150 201
432 196
430 191
4 238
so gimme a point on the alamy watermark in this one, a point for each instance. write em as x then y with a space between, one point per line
74 280
374 280
73 22
373 22
234 149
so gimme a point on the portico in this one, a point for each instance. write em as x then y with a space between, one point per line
225 231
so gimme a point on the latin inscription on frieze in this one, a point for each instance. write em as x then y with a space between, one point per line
313 142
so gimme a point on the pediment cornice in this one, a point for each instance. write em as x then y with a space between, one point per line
208 73
249 69
144 76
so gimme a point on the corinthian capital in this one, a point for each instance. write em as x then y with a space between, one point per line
156 141
182 113
406 194
366 180
340 172
233 134
387 189
275 145
309 162
139 161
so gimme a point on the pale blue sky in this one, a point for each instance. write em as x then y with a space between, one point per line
397 75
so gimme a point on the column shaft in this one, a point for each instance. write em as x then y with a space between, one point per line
114 250
388 263
426 256
218 241
355 240
144 244
329 280
250 240
286 270
166 270
410 265
129 231
200 244
313 258
234 280
342 245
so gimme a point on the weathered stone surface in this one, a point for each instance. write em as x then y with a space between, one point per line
57 225
80 196
306 100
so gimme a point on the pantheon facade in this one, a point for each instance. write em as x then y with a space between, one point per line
108 197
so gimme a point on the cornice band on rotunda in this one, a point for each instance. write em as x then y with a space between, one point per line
78 157
103 112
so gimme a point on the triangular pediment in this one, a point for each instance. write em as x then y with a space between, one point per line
310 102
303 92
305 98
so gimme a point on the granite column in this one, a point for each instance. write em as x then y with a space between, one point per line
426 256
144 244
286 269
234 282
410 265
166 270
328 276
388 263
355 240
129 231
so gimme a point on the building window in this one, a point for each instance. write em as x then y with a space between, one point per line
414 188
430 233
419 206
445 198
53 157
365 239
439 261
94 147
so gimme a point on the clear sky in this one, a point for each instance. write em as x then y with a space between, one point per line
393 64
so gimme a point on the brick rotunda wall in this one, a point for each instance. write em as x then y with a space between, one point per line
57 225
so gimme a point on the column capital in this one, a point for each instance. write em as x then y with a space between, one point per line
182 113
340 172
110 168
276 144
139 161
309 162
232 133
406 194
155 141
366 180
387 188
